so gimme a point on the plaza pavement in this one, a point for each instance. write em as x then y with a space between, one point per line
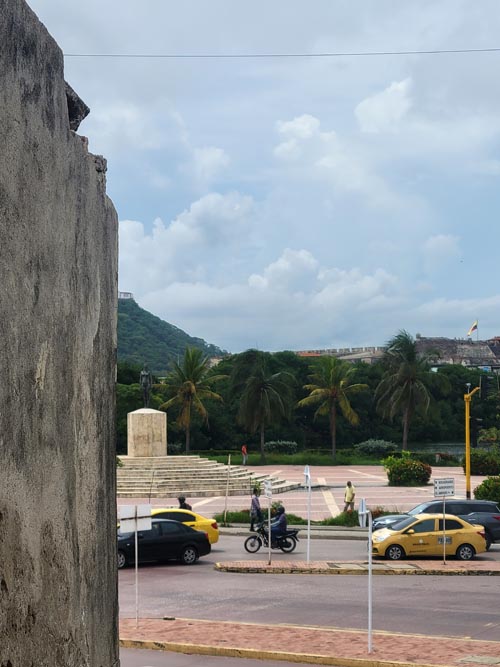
327 497
322 645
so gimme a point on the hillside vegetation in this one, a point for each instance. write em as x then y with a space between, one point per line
145 338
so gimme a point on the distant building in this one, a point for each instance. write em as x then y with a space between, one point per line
480 354
126 295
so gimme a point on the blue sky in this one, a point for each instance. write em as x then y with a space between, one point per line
297 203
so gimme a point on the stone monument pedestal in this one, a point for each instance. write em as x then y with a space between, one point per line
146 433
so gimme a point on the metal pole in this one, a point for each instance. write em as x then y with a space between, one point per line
136 572
370 568
444 530
227 487
269 529
467 398
308 519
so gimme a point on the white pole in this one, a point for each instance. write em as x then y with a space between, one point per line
444 530
370 568
308 517
136 572
269 529
227 486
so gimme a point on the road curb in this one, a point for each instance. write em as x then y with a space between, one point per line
351 569
256 654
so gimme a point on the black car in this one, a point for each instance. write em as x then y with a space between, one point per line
483 512
167 540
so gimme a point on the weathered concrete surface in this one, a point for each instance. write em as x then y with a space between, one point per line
147 433
58 274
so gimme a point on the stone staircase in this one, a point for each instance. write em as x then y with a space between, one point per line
191 476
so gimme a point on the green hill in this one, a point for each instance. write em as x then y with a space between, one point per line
145 338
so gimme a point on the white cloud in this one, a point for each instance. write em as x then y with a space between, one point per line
383 111
439 250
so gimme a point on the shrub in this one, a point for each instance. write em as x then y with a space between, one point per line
406 471
176 447
483 462
439 458
281 446
373 446
489 489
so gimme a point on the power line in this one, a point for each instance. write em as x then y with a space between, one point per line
228 56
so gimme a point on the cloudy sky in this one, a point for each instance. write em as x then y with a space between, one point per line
297 203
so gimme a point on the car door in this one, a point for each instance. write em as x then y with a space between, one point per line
420 537
173 539
453 531
148 541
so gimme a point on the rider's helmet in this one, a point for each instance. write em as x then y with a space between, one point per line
181 499
280 510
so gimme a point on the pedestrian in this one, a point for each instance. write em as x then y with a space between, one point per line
349 494
244 454
183 505
255 510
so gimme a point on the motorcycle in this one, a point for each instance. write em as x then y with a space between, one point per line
286 542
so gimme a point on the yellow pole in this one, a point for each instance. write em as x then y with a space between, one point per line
467 400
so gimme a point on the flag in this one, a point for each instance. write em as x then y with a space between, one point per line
473 328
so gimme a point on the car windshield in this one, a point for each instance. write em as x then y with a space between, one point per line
419 509
403 523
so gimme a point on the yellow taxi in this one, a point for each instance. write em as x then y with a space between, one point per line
190 518
423 535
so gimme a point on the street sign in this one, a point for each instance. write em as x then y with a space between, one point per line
444 486
134 517
268 488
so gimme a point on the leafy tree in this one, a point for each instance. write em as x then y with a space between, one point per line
403 388
189 384
332 386
265 397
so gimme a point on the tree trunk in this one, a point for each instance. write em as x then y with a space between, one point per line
262 442
406 428
333 430
188 429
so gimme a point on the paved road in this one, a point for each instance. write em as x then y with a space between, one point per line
436 605
135 658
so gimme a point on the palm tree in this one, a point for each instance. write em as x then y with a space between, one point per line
265 396
332 386
189 385
403 387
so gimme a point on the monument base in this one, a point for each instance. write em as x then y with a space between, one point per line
146 433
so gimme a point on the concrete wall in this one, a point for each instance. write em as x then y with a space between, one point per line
58 278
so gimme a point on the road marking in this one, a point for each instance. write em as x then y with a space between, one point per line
206 501
365 474
330 502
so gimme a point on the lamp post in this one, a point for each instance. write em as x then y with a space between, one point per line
467 400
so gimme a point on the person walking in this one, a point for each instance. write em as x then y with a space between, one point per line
349 495
183 505
244 454
255 510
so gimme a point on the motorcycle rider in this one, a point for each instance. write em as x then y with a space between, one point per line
279 525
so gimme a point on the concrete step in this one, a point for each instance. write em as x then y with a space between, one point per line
168 476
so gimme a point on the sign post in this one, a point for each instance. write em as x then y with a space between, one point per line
365 516
307 475
268 491
444 486
132 519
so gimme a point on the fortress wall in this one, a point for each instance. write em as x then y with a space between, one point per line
58 286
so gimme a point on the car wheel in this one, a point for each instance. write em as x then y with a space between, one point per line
287 544
189 556
122 560
395 552
465 552
253 544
